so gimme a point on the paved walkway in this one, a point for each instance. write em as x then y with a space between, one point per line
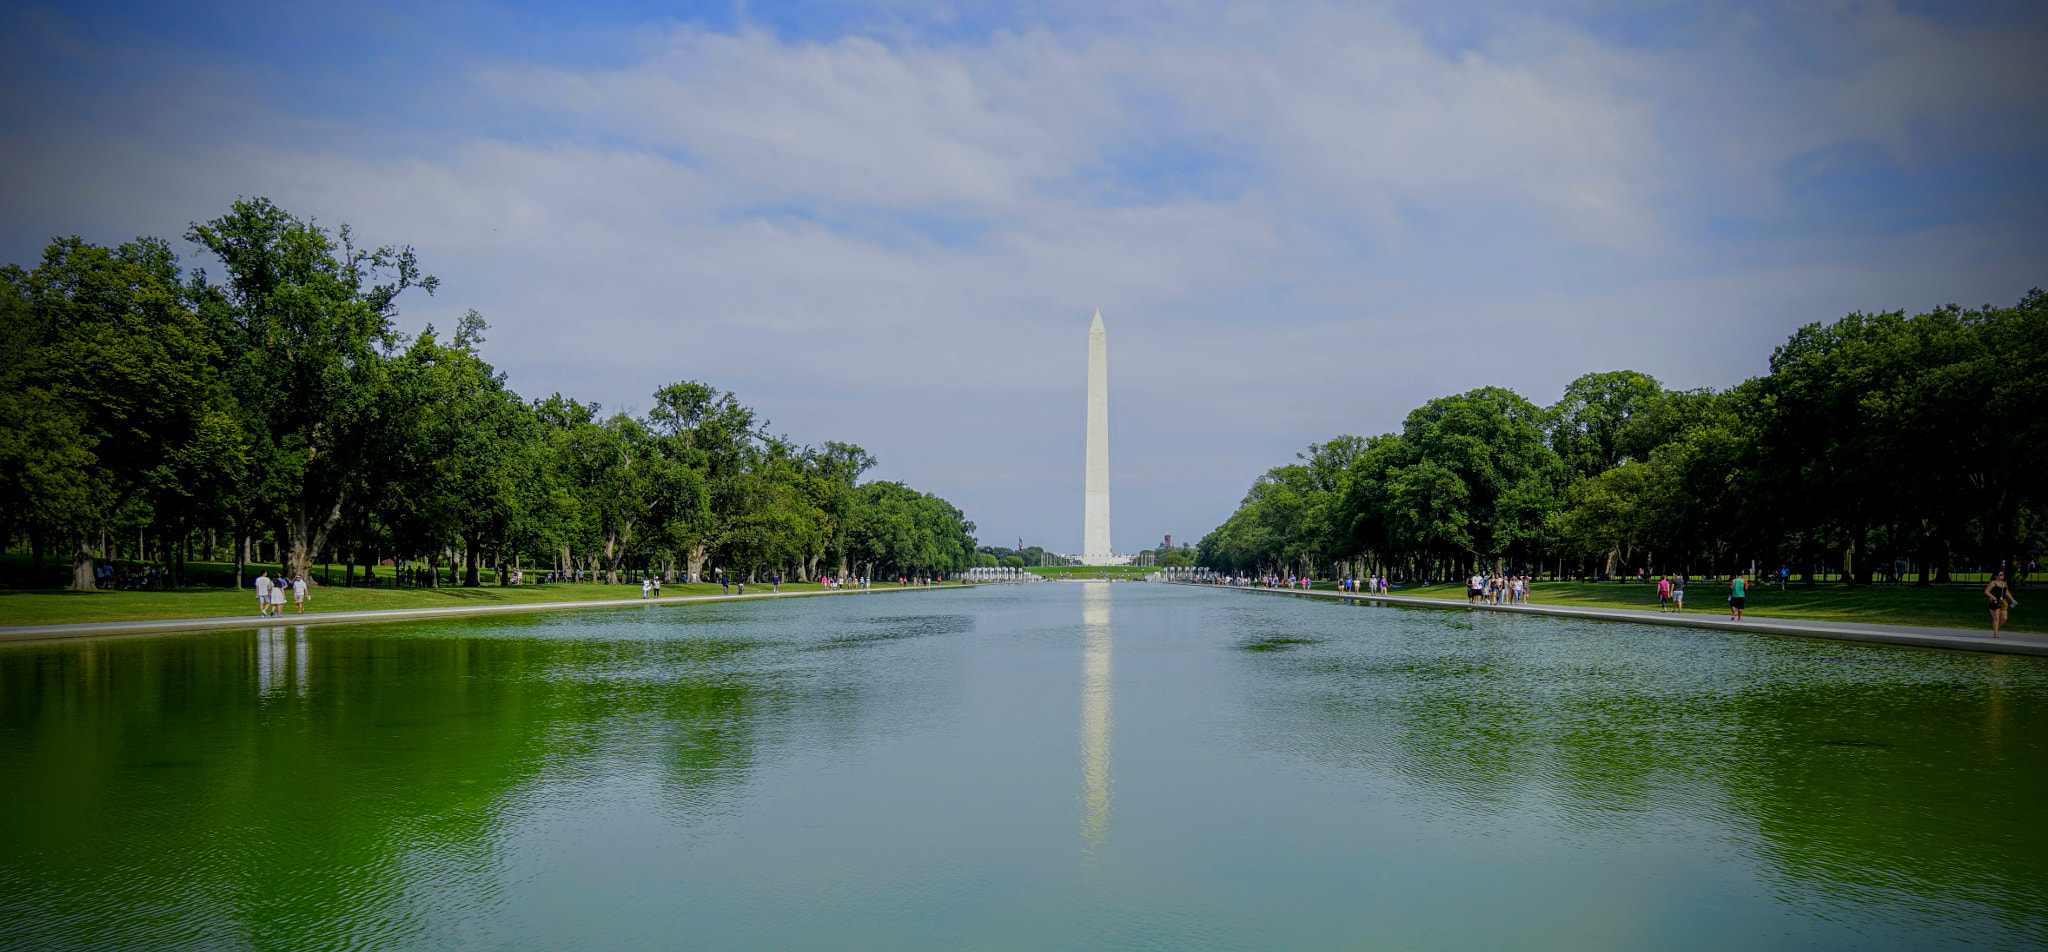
89 629
1962 639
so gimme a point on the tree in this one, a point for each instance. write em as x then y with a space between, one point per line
1491 441
51 482
898 528
608 468
305 322
1587 424
474 472
116 365
715 438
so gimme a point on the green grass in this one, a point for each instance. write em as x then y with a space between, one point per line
1944 606
55 607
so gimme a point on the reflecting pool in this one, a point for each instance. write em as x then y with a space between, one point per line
1055 766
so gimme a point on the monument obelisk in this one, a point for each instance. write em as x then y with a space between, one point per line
1095 548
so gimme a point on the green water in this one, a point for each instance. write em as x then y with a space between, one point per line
1053 766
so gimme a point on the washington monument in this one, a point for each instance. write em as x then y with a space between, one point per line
1095 548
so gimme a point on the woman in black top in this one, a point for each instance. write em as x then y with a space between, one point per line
2001 598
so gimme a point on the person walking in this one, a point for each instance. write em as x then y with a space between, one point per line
2000 596
1738 596
301 592
277 587
262 586
1664 594
1678 594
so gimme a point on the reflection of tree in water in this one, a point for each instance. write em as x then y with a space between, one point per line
1486 727
236 815
166 788
1915 777
688 713
1885 779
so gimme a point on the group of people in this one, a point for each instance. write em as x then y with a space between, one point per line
270 593
1263 581
1372 585
1671 593
1483 589
107 575
726 583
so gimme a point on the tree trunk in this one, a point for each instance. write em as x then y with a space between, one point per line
694 560
241 556
82 579
307 529
469 570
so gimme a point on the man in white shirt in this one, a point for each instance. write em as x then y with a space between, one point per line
263 594
299 593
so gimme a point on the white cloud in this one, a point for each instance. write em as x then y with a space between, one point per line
850 121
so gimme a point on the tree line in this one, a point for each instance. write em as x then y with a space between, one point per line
155 412
1878 445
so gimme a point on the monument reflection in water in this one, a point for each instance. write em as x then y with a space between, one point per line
1098 724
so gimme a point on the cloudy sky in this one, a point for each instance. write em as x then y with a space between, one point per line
890 223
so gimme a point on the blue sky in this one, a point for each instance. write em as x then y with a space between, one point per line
890 222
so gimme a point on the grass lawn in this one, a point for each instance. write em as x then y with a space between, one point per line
1944 606
48 607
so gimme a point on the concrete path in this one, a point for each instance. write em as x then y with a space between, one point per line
90 629
1962 639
